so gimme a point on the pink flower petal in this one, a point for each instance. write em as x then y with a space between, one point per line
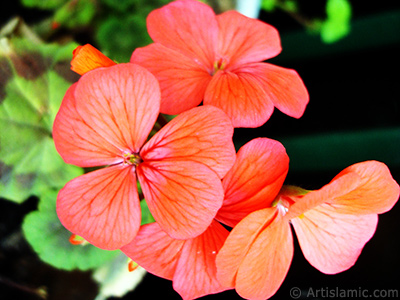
244 40
202 134
241 97
328 193
108 112
77 142
256 255
155 251
283 87
196 272
189 263
377 192
183 196
330 240
182 81
187 26
102 206
254 181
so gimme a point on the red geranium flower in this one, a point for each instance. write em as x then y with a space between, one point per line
190 264
104 120
198 56
332 224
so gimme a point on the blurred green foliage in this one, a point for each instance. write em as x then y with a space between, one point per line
332 27
34 79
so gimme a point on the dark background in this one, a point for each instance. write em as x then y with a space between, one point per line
353 116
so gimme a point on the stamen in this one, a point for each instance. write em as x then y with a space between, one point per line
131 159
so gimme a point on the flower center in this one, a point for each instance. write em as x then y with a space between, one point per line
219 64
282 203
131 159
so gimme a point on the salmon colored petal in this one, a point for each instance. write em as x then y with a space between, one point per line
86 58
283 87
332 241
241 97
183 196
267 262
188 26
109 110
238 243
102 206
155 251
377 192
196 272
328 193
182 81
244 40
254 181
202 134
78 143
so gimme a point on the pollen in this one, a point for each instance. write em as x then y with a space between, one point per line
131 159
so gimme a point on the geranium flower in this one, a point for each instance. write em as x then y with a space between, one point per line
198 56
332 224
190 264
104 120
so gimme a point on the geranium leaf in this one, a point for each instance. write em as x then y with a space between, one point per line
50 240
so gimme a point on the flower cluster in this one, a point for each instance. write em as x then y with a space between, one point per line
222 219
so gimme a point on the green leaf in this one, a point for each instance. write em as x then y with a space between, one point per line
115 279
50 240
268 5
43 4
337 24
33 80
146 215
75 13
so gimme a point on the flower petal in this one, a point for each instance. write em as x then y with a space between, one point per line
183 196
254 181
244 40
108 112
241 97
256 255
155 251
267 262
377 192
328 193
239 242
86 58
202 134
282 86
102 206
188 26
182 81
330 240
196 272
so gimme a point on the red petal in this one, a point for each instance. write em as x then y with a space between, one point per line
283 87
102 206
155 251
328 193
202 134
182 196
330 240
86 58
196 272
183 82
190 27
256 255
241 97
108 112
377 192
254 181
243 40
